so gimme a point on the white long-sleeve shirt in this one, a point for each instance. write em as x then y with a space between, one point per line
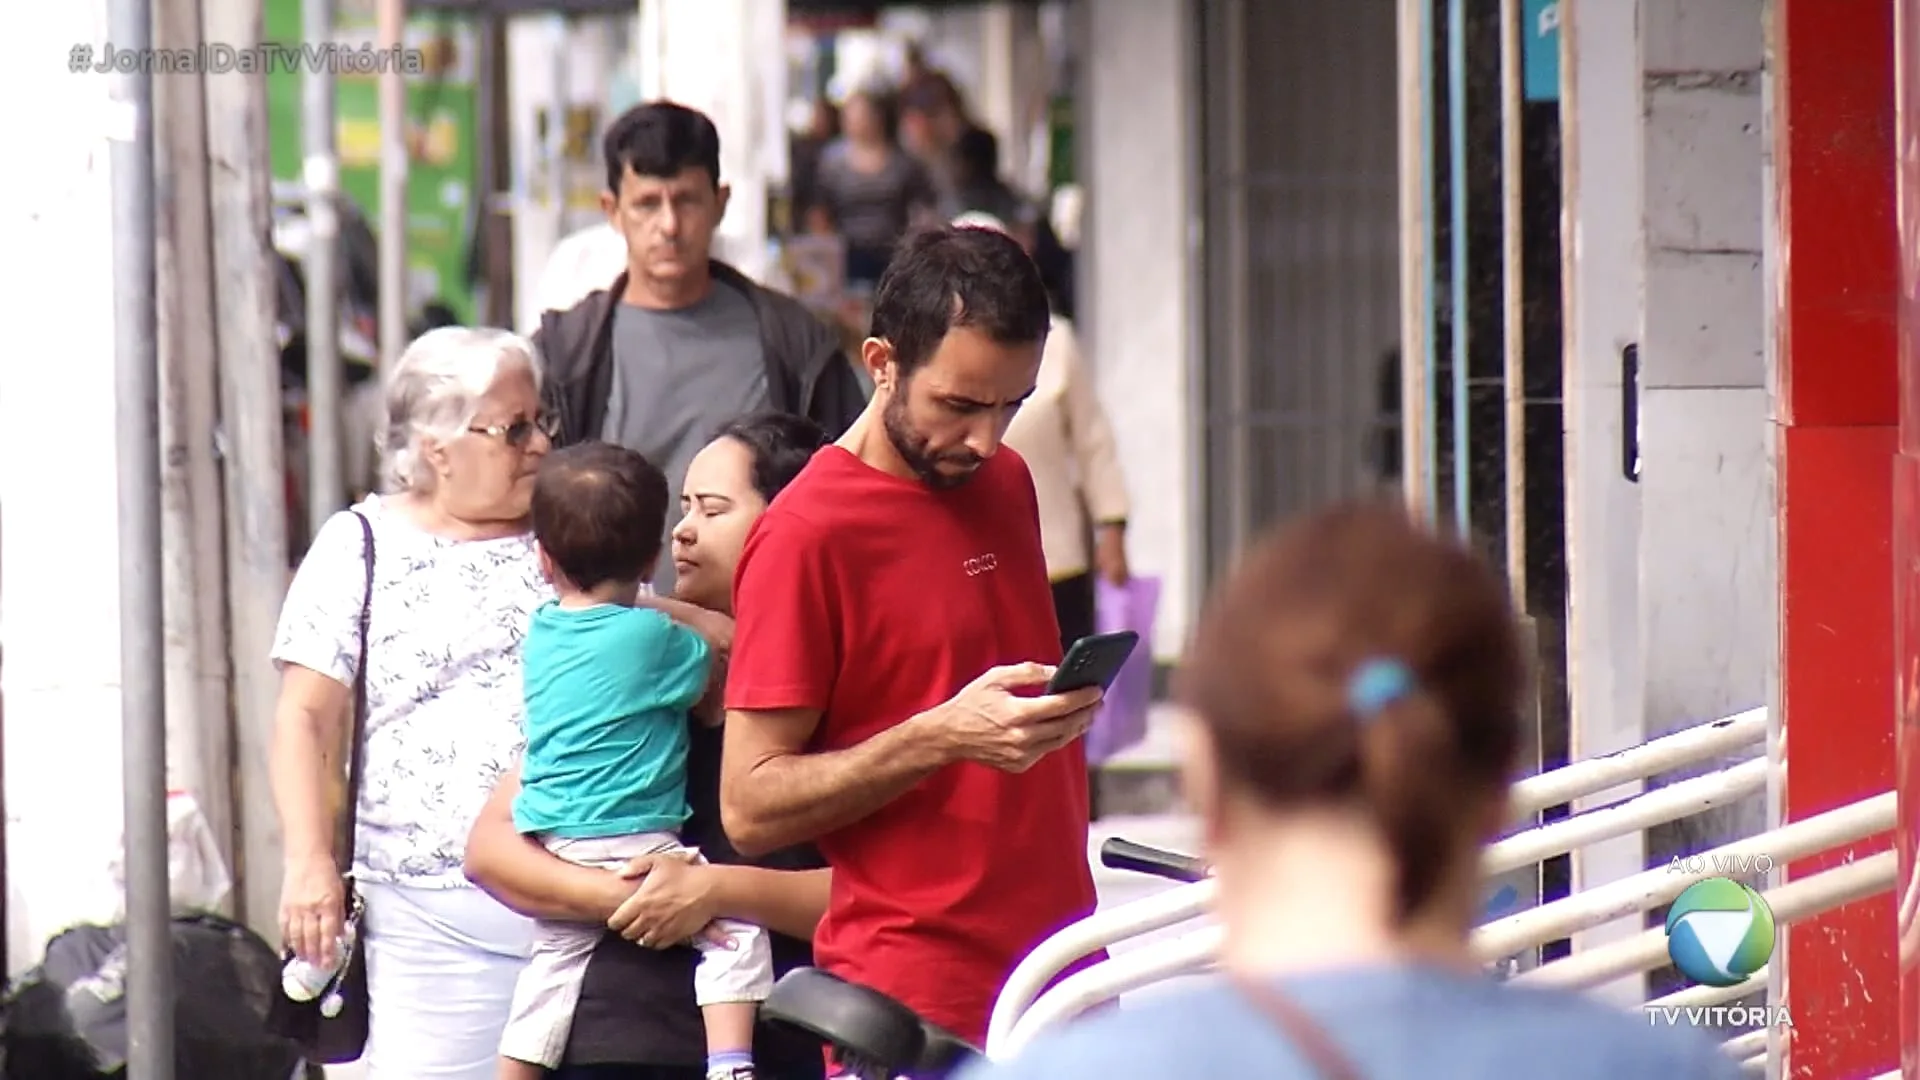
1063 434
582 262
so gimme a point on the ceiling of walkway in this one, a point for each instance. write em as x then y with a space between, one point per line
614 7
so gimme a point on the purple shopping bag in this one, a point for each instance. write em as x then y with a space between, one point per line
1122 720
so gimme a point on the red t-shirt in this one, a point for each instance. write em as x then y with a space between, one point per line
872 598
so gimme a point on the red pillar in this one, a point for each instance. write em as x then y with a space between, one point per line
1837 413
1906 542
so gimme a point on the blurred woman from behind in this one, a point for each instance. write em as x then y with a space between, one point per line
1353 694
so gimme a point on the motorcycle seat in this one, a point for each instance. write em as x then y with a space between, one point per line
865 1025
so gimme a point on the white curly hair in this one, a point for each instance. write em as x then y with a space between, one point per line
434 391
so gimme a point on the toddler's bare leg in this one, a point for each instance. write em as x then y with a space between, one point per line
729 1026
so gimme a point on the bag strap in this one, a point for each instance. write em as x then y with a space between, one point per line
344 844
1306 1033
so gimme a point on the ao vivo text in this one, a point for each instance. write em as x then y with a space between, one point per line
1733 866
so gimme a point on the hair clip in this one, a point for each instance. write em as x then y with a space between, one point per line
1376 684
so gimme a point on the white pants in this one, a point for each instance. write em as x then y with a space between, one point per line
441 965
542 1014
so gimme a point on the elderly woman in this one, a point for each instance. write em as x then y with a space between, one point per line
455 579
636 1018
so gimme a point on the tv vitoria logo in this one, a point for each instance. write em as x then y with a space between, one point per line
1719 932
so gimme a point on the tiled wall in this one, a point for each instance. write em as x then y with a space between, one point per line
1706 553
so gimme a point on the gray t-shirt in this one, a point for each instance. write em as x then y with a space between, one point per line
1393 1022
872 210
679 375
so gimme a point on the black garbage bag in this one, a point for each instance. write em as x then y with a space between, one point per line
67 1018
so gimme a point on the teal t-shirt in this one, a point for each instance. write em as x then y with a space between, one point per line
608 689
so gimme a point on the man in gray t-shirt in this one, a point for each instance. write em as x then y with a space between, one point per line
680 344
677 376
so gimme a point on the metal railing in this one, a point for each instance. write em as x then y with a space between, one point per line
1024 1010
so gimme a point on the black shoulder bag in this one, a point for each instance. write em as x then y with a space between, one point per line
332 1028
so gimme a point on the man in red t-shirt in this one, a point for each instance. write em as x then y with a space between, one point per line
895 632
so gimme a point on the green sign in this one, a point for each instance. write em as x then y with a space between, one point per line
441 131
1060 150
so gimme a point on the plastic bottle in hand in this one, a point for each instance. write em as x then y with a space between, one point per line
303 981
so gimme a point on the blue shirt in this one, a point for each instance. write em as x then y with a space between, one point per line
1392 1022
608 689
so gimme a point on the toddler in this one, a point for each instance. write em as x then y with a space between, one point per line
610 678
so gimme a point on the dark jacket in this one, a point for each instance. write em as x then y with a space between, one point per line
807 372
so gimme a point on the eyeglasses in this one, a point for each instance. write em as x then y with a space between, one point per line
520 432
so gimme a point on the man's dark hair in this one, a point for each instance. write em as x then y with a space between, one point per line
955 276
781 445
976 156
886 108
932 93
661 139
599 511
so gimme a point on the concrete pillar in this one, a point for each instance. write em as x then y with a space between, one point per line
534 91
199 716
1134 117
556 65
1013 86
727 58
1600 117
1706 551
1835 441
996 102
59 616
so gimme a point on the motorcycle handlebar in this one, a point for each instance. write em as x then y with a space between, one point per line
1127 855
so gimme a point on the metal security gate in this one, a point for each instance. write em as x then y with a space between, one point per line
1300 280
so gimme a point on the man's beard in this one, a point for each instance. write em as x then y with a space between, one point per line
912 448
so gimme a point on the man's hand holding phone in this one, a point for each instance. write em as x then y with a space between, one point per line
996 721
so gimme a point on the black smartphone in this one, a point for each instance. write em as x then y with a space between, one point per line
1094 660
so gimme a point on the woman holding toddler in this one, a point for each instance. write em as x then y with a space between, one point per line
634 1018
443 574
